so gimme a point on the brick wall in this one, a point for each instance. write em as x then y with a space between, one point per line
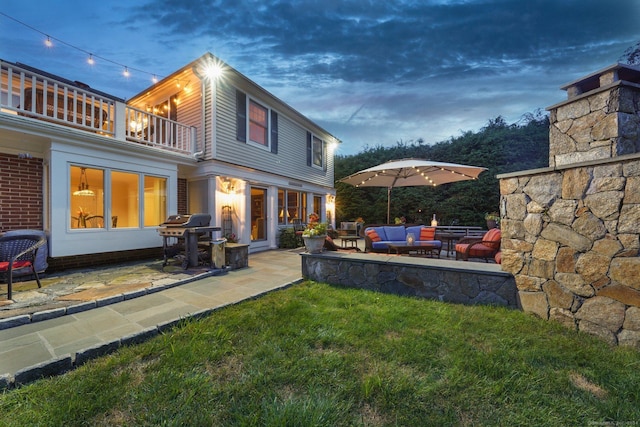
106 258
20 193
182 197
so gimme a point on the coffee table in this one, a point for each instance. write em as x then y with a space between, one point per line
349 240
420 249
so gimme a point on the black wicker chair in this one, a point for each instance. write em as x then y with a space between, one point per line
17 257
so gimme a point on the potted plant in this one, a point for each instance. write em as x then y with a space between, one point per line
493 219
314 234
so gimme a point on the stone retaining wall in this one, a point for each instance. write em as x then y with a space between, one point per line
443 280
571 232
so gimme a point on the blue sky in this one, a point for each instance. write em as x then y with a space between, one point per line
370 72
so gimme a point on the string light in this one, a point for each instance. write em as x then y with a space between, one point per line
49 43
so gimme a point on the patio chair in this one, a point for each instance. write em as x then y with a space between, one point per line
18 256
486 247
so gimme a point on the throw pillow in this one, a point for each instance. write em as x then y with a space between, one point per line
428 233
373 235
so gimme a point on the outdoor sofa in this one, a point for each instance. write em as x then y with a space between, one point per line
377 238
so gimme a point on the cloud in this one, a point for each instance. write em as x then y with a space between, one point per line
423 68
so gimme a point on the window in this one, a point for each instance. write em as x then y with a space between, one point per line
260 121
90 197
155 200
315 151
124 198
87 197
258 127
317 204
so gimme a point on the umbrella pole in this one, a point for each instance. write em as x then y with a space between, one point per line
388 205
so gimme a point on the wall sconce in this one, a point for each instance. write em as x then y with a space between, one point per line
83 186
227 186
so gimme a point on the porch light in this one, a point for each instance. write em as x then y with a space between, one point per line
83 186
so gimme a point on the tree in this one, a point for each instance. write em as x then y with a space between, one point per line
631 55
499 146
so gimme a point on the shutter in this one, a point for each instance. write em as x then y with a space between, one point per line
241 116
274 132
309 149
324 156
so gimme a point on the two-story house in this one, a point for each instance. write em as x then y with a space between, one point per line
99 174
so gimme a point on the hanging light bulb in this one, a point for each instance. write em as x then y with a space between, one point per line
154 79
83 186
90 59
126 72
48 42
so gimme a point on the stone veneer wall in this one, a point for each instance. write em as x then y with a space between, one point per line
571 232
450 281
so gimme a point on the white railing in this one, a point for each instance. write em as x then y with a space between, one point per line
27 93
151 129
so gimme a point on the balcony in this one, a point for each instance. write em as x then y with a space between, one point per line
28 93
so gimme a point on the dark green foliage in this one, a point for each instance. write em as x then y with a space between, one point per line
500 147
289 239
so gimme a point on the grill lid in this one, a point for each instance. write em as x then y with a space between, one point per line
194 220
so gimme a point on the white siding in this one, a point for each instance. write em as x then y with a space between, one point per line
291 159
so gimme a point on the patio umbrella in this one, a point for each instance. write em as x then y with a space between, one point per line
411 173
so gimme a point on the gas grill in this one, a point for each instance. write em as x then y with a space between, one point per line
184 235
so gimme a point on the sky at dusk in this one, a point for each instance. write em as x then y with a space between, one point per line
370 72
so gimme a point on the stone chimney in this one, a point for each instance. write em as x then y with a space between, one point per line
599 120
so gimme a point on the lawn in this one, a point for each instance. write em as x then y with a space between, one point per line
318 355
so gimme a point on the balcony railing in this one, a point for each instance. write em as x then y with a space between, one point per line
31 94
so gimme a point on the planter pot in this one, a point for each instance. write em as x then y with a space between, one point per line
314 244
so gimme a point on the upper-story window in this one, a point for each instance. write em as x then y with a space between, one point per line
258 120
258 125
315 151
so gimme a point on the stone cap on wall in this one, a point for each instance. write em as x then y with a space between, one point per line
607 76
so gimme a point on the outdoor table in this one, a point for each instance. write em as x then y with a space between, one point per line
420 248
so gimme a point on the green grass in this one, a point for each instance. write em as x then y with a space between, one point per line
317 355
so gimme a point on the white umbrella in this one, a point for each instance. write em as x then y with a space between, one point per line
411 173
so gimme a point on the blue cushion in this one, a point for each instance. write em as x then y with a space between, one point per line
380 245
415 229
395 233
381 233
